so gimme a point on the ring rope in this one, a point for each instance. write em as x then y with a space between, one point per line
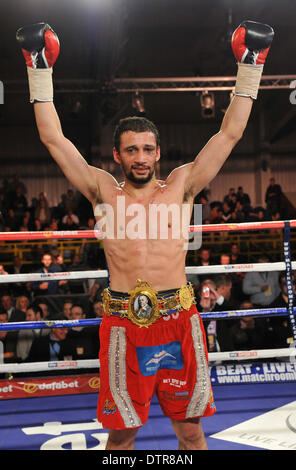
74 234
103 273
47 366
57 276
252 354
46 324
234 268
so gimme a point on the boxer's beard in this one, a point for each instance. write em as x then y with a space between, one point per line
138 179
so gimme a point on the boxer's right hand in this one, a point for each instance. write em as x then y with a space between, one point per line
40 45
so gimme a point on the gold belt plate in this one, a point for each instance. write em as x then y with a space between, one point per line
186 296
106 298
143 304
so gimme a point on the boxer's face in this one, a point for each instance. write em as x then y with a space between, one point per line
137 155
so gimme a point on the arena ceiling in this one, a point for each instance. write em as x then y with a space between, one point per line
106 39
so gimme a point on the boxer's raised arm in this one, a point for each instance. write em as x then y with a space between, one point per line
76 169
214 154
40 47
250 43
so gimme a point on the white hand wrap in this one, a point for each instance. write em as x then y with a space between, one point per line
40 84
248 80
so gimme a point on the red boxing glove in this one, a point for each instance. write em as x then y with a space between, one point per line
40 45
251 42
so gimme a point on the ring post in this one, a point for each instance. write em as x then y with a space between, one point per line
289 277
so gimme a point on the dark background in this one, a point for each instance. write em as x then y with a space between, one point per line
106 39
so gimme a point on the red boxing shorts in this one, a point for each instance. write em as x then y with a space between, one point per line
169 358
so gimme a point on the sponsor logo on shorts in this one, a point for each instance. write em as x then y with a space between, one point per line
174 382
177 396
185 393
109 407
163 356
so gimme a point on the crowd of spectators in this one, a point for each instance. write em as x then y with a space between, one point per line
73 210
49 300
35 345
19 214
240 291
237 206
71 213
243 291
32 301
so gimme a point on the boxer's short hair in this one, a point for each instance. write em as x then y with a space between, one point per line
135 124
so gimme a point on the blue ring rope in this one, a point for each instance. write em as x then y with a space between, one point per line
45 324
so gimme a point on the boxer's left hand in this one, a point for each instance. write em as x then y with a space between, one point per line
251 42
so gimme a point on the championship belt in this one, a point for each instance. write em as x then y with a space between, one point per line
143 305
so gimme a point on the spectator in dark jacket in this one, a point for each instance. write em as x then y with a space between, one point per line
248 332
273 197
53 347
47 287
7 342
26 337
84 339
14 314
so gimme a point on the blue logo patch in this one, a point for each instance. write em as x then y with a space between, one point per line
163 356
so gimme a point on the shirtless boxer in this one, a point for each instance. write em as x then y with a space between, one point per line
163 352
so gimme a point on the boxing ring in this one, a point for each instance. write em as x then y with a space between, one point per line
254 390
